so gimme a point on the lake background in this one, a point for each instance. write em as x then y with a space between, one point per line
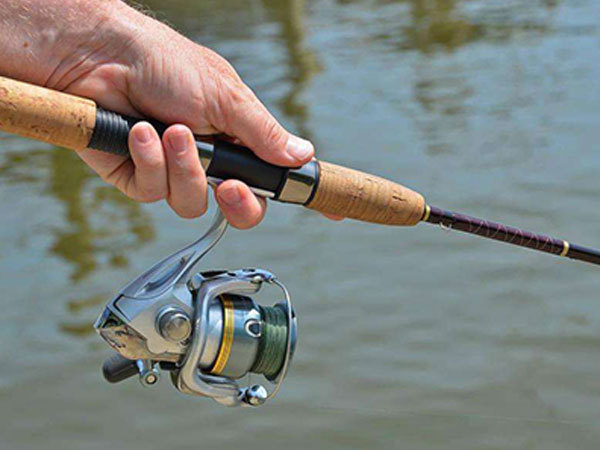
409 338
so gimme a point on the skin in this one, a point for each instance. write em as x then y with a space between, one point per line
133 64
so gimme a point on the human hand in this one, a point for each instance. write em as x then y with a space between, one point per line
140 67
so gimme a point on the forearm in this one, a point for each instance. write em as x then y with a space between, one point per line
51 42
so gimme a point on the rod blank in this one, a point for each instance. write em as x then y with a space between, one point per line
510 235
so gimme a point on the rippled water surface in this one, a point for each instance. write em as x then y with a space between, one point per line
410 338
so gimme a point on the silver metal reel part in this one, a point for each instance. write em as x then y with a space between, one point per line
128 322
163 316
190 379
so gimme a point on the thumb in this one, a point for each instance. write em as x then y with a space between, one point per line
253 124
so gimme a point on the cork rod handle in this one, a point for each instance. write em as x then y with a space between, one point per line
357 195
46 115
76 123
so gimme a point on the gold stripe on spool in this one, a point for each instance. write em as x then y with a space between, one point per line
427 213
227 342
565 249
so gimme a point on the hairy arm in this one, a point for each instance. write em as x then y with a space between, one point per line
44 41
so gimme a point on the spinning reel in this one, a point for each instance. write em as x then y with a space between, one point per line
202 327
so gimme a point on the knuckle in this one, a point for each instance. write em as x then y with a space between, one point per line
231 103
190 212
188 209
152 163
187 171
273 133
218 64
109 178
150 195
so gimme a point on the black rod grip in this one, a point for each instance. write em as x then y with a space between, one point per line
117 368
229 161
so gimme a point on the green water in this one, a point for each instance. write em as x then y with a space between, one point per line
409 338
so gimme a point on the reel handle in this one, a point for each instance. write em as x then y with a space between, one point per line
77 123
118 368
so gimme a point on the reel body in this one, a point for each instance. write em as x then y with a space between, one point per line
204 328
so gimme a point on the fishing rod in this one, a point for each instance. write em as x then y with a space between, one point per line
204 327
76 123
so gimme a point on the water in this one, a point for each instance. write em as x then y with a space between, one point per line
410 338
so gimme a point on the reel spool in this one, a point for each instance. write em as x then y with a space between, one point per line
204 328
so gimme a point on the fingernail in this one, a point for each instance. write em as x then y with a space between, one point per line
142 134
178 141
230 196
299 148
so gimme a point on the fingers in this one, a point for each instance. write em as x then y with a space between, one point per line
148 182
186 178
249 120
176 174
171 169
241 207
